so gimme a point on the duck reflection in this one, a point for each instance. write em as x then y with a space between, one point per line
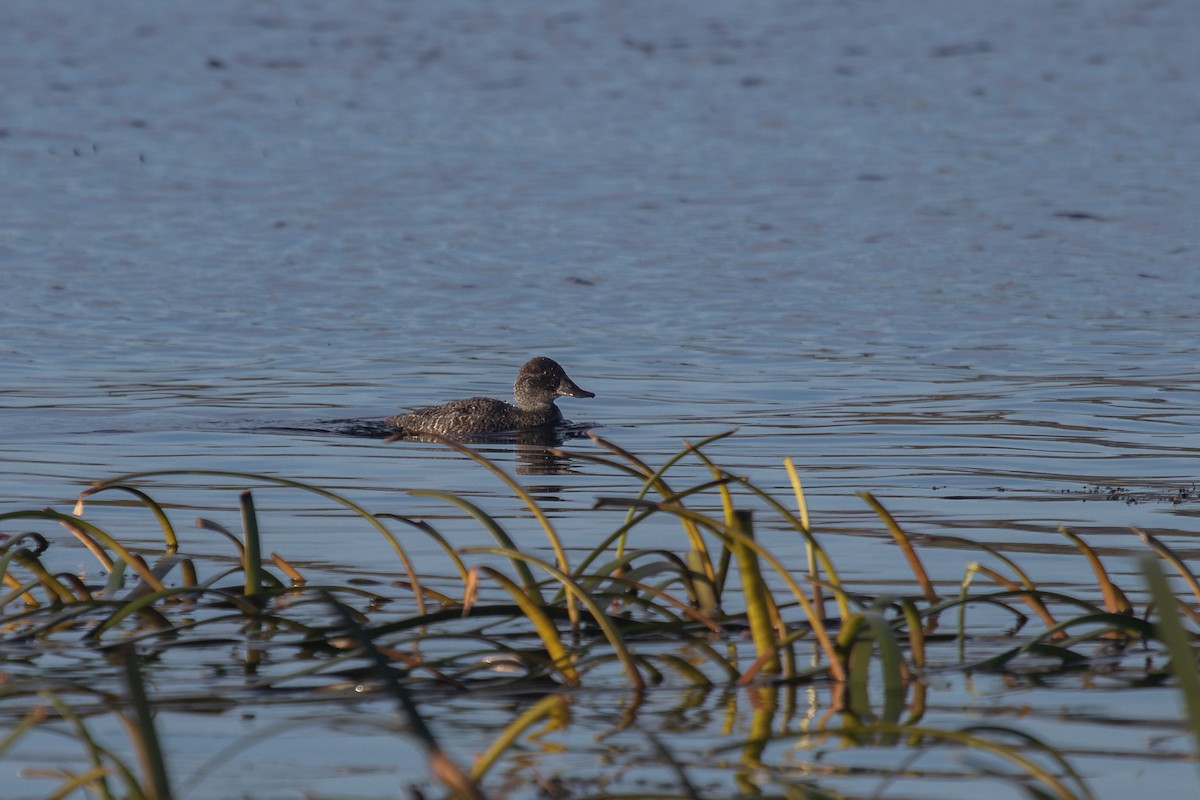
535 448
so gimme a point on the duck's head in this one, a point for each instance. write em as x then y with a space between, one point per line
541 380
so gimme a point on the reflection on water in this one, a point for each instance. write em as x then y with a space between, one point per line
533 450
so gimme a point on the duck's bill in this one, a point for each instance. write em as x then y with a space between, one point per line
568 389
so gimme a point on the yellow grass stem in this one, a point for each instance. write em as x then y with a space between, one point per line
286 567
809 551
19 589
916 635
707 598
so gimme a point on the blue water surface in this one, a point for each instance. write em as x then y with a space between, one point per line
944 254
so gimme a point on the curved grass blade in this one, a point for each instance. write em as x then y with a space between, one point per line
811 543
754 592
693 675
498 533
1169 556
910 553
164 522
624 570
22 590
297 580
27 559
144 604
695 539
836 665
560 656
1028 594
553 707
892 666
1114 598
615 640
655 480
74 523
440 765
809 551
560 553
210 525
252 476
141 728
973 738
916 634
433 533
1177 640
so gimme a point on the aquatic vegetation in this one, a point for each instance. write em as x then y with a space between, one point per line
727 614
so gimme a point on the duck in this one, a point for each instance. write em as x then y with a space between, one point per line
539 383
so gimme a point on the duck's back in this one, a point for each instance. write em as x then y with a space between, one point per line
472 415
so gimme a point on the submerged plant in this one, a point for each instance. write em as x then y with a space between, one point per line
726 612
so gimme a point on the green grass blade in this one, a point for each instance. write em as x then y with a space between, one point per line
754 592
142 734
1177 640
602 620
271 479
252 561
494 528
1171 558
560 655
440 765
164 521
552 706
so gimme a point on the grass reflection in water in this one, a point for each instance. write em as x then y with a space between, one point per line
725 616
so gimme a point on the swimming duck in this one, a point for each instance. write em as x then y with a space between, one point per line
538 384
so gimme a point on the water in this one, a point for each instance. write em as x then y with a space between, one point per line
945 255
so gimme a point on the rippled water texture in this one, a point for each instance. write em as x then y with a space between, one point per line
944 252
